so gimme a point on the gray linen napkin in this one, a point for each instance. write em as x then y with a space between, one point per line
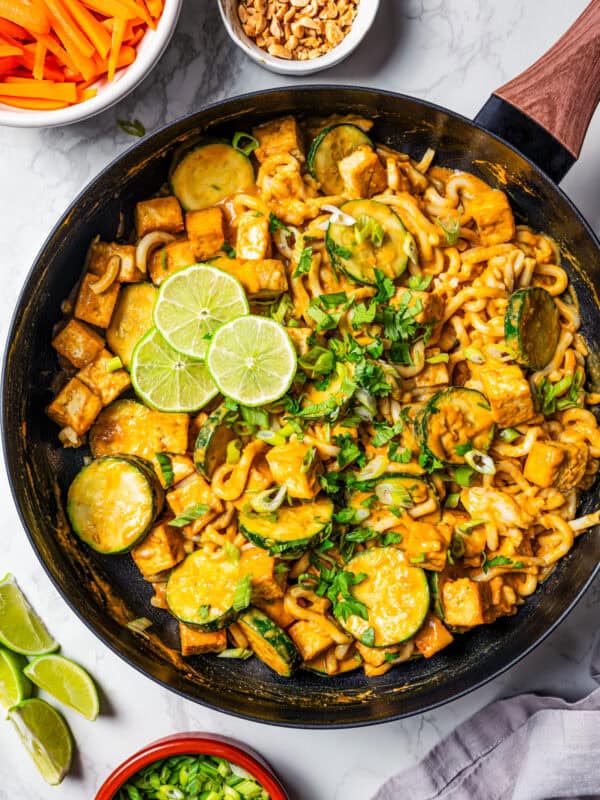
526 747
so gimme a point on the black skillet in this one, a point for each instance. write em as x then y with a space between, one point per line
561 92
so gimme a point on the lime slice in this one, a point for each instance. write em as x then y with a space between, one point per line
14 686
252 360
46 737
193 303
21 630
67 682
167 380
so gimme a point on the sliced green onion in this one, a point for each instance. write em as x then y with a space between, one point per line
391 494
247 149
368 228
467 527
236 652
509 434
243 593
139 625
452 500
451 227
190 514
113 364
457 546
308 460
410 248
318 361
375 467
474 355
480 462
269 500
438 358
232 553
166 468
270 437
233 452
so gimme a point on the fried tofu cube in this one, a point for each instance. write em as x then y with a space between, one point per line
158 214
100 254
97 309
556 464
75 406
493 217
432 637
261 566
164 261
182 466
509 394
433 374
191 491
309 638
375 656
279 136
107 385
253 240
363 173
431 304
275 609
205 232
162 549
194 642
464 602
171 432
300 337
296 465
261 279
78 343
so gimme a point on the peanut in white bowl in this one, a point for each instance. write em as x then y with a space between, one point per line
365 16
149 52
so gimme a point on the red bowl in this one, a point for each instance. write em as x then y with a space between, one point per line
208 744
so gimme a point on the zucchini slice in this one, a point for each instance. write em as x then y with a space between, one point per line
360 259
395 593
113 502
328 148
452 420
209 173
131 319
395 491
532 326
270 643
291 528
330 401
200 590
435 589
211 443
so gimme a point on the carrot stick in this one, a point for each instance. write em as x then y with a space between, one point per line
55 48
39 61
8 28
59 16
40 90
29 14
92 28
116 44
155 7
8 63
9 50
137 37
81 62
112 8
86 94
34 103
25 79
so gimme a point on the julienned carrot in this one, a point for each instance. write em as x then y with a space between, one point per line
111 8
118 32
93 29
59 16
41 90
82 63
56 49
155 7
8 28
39 61
29 14
7 49
34 103
8 63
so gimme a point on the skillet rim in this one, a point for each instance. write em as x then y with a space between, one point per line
4 409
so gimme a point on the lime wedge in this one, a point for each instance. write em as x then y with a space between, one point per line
67 682
252 360
193 303
21 630
14 686
46 737
167 380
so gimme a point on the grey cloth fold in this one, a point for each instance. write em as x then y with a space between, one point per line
527 747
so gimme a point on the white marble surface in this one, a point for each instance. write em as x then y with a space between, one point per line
453 52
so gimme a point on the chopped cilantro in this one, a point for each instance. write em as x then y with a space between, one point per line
419 283
228 250
275 224
304 262
368 637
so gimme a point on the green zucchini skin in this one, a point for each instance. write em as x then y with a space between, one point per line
329 147
293 530
410 485
532 326
361 260
201 581
113 502
270 643
435 589
211 442
208 173
477 426
396 612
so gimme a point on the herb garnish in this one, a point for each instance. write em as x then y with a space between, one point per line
166 468
132 127
190 514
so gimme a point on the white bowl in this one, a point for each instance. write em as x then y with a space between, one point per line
149 51
367 11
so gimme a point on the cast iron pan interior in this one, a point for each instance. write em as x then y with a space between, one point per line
35 459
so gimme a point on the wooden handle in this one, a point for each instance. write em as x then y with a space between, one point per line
562 89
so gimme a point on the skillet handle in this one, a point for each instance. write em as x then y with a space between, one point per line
545 111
